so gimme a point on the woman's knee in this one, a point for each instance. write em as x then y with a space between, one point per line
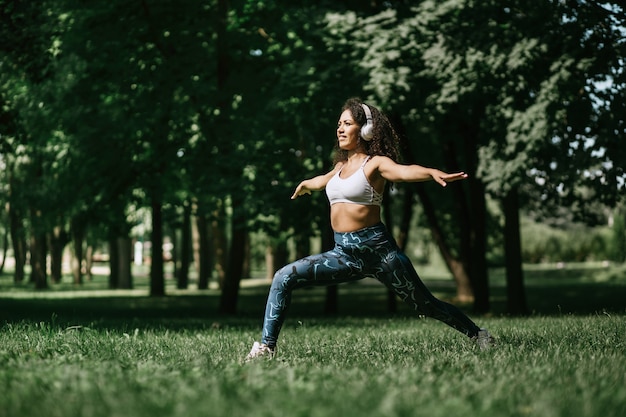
286 277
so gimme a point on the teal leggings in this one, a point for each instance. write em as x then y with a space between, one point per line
371 252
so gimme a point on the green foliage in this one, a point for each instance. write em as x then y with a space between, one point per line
572 243
617 250
350 367
511 87
33 143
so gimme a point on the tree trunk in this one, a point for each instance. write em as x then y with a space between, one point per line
269 261
114 262
205 250
464 291
468 127
157 273
175 239
246 268
77 232
124 260
58 241
220 245
277 257
185 249
88 257
195 242
516 296
460 265
5 248
18 242
38 252
230 291
235 255
479 274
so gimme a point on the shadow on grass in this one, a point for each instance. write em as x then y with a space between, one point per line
547 293
575 299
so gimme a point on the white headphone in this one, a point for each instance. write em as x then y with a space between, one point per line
367 130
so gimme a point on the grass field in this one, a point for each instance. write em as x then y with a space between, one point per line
71 353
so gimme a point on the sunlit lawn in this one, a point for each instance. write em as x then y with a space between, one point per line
132 355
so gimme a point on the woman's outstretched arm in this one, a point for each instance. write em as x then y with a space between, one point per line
394 172
315 184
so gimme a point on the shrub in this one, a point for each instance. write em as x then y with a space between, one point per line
617 246
576 243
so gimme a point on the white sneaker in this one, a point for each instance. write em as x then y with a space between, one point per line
260 350
484 340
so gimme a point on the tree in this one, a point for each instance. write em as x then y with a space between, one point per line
282 70
35 144
389 44
489 85
147 60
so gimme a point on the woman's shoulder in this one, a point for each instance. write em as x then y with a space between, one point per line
379 164
379 159
336 168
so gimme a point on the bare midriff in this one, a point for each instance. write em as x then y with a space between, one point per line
349 217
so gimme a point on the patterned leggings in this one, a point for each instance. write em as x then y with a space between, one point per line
370 252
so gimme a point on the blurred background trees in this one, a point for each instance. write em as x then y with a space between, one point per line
191 122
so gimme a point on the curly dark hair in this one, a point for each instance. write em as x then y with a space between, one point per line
385 141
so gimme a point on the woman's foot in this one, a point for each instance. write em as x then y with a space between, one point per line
484 340
260 350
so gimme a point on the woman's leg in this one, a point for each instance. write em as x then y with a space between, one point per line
328 268
405 282
398 274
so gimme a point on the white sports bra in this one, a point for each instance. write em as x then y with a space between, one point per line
355 189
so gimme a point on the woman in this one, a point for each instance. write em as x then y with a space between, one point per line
365 160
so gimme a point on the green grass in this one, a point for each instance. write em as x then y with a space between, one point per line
71 354
558 366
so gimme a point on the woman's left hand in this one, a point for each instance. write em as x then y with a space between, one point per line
444 178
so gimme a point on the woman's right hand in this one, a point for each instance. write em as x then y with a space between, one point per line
301 189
